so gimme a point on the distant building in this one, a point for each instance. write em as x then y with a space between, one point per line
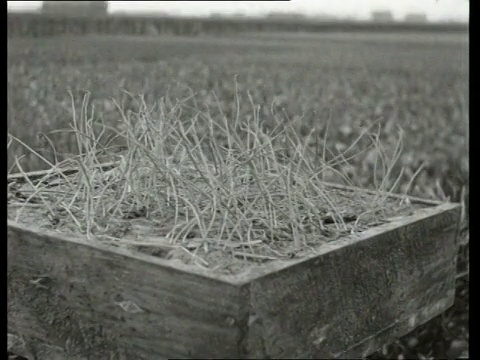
382 16
416 18
77 8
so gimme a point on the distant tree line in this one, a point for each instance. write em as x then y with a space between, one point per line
52 24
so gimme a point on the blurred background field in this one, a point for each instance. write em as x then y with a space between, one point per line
343 81
419 83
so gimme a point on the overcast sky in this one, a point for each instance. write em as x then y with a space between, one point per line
435 9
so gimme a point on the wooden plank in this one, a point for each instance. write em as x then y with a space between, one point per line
358 295
345 299
100 304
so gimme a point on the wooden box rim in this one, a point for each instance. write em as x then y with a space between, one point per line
248 275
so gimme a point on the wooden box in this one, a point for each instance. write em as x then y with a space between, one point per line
68 299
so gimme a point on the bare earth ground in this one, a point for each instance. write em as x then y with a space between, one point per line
417 82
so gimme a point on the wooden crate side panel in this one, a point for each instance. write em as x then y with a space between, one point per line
93 302
352 300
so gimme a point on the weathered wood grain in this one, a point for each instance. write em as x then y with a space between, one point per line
358 295
344 300
101 304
